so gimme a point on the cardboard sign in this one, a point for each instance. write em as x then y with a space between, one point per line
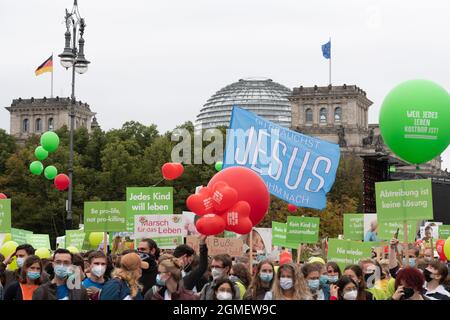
404 200
105 216
354 226
166 229
5 215
230 246
302 230
347 252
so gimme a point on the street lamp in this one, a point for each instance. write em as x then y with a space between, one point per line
73 57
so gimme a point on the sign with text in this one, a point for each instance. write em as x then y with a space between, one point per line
296 168
404 200
353 226
278 234
101 216
166 229
302 230
75 238
149 200
230 246
19 235
39 240
444 231
347 252
387 230
5 215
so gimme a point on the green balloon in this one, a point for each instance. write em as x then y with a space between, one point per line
36 167
218 165
40 153
414 120
50 172
50 141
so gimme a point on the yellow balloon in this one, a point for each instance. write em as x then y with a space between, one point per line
13 265
7 248
447 248
73 250
43 253
7 238
95 238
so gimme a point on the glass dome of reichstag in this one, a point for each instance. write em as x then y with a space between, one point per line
264 97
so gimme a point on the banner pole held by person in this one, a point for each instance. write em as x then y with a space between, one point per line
250 258
405 240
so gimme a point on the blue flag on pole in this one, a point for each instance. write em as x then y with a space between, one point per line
326 50
296 168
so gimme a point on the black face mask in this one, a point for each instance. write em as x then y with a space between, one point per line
427 275
408 293
188 268
367 276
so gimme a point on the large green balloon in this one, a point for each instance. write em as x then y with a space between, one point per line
36 167
50 172
50 141
40 153
95 238
218 165
43 253
415 120
8 247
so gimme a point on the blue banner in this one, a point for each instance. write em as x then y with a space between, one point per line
297 168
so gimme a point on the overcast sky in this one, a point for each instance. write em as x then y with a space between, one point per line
159 61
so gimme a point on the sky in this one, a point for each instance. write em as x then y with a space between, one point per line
159 61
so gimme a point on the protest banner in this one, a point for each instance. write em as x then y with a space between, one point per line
5 215
386 230
347 252
260 240
302 230
433 228
189 228
354 226
74 238
216 245
165 229
296 168
19 235
149 200
444 231
279 233
38 240
105 216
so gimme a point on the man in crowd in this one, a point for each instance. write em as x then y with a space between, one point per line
97 266
149 252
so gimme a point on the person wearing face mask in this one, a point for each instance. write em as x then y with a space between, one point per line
149 252
60 288
193 277
345 289
30 280
224 289
262 281
97 265
312 272
409 284
435 276
355 272
220 267
169 284
240 275
374 278
289 285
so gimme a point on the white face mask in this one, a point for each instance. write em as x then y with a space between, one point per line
350 295
98 271
286 283
20 262
216 273
224 295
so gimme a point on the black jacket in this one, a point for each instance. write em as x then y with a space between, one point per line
47 291
148 278
13 292
195 277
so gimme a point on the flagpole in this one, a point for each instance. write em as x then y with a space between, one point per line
330 64
51 92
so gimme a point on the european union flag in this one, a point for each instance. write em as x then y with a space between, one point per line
326 50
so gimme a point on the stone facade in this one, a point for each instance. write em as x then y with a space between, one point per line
35 116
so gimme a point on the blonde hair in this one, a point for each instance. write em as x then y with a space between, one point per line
301 291
172 265
131 277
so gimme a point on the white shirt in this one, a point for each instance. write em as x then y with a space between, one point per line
437 294
167 295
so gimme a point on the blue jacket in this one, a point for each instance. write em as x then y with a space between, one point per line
117 289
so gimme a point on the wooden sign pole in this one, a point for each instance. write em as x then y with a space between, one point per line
405 244
250 258
105 242
299 253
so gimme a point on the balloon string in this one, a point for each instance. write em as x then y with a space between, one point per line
158 182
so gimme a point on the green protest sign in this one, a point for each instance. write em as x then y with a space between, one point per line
5 215
149 200
19 235
347 252
101 216
229 234
38 240
404 200
353 226
444 231
75 238
302 230
278 234
387 230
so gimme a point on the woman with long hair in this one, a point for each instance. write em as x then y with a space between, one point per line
289 285
29 280
355 272
262 281
240 275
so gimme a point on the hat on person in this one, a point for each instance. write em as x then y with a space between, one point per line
285 257
132 261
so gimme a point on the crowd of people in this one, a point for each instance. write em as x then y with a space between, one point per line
180 274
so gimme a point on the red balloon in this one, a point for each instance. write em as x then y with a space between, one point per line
224 197
210 224
3 196
62 182
201 203
249 186
237 218
292 208
172 170
440 249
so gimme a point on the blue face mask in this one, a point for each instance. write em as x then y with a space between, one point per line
266 277
160 282
333 279
324 279
61 271
314 284
412 262
33 275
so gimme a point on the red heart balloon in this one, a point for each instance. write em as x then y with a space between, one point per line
210 224
172 170
201 203
3 196
237 218
224 197
292 208
61 182
440 249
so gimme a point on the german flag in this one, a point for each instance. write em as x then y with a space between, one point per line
46 66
